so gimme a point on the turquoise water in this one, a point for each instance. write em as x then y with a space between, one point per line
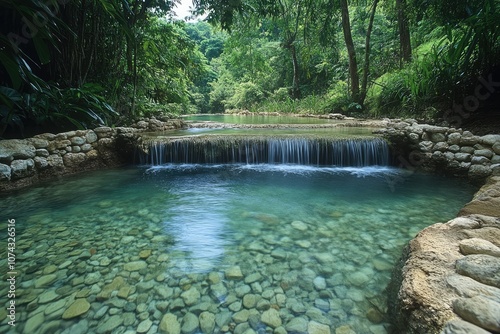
220 248
334 132
259 119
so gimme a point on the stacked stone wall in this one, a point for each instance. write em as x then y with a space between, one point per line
24 162
436 148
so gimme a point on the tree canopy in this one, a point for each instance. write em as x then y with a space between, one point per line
77 64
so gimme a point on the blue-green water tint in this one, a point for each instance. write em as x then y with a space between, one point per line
314 243
331 132
259 119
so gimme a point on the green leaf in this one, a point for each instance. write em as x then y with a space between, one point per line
42 50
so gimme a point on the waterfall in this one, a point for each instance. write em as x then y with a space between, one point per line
267 150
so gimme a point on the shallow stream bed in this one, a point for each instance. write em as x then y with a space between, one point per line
213 248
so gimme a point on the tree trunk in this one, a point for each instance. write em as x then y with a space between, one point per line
404 32
353 65
295 84
366 69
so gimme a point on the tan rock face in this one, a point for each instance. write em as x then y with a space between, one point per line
486 201
448 268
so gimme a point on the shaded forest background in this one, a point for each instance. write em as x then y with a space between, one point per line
68 64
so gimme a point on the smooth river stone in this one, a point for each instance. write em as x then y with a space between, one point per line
478 246
191 296
480 311
234 273
145 253
271 318
314 327
109 324
45 280
458 326
297 325
189 323
135 265
298 225
79 307
482 268
144 326
169 324
47 297
207 322
34 322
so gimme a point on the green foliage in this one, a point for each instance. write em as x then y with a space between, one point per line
246 95
54 107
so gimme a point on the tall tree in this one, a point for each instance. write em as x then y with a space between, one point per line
404 31
366 65
351 51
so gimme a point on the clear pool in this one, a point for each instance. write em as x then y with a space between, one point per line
215 248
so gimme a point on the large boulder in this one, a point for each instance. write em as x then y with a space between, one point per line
16 149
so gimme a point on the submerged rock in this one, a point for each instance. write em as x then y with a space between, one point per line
79 307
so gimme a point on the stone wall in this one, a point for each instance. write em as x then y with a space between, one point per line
24 162
436 148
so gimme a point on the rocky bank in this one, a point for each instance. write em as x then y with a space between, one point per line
448 280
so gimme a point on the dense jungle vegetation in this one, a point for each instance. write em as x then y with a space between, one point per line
79 63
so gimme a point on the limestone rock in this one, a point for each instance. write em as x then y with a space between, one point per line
486 201
496 148
358 278
79 307
465 286
33 323
15 149
5 172
73 160
169 324
480 311
22 168
91 137
454 138
271 318
108 325
144 326
484 153
458 326
207 322
479 172
314 327
482 268
45 280
234 273
490 139
191 296
426 146
77 141
298 225
38 143
241 316
145 253
478 246
41 163
297 325
56 161
135 265
189 323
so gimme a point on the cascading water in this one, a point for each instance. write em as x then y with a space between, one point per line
267 150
